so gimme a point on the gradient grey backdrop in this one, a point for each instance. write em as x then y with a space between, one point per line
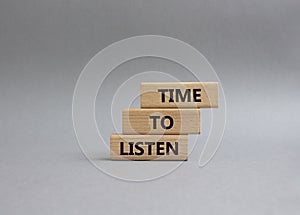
254 48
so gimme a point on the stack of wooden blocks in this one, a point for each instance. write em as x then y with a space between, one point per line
159 129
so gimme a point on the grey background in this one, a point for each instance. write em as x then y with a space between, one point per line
254 48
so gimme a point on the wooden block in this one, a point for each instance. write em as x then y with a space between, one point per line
148 147
161 121
179 95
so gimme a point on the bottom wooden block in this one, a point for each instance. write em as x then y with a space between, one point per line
148 147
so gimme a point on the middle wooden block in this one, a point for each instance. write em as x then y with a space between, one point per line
161 121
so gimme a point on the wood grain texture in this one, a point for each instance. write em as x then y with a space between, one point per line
136 147
161 121
185 95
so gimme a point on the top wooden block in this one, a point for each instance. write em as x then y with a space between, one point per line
179 95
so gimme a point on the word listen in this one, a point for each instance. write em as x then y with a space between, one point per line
148 147
162 148
179 95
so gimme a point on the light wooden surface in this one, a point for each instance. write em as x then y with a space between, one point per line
136 147
159 121
185 95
